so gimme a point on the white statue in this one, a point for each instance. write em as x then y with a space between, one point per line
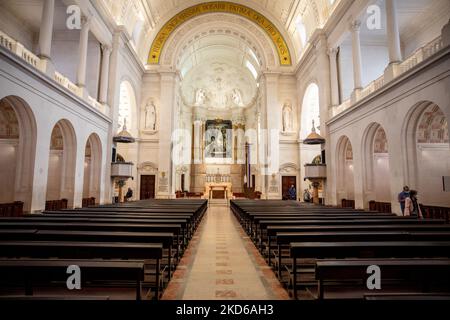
287 118
200 97
237 98
150 116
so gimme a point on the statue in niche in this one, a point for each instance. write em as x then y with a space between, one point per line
150 116
237 98
200 97
287 117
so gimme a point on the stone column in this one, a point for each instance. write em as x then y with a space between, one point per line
446 34
334 78
82 58
197 141
393 36
323 67
104 77
45 34
165 163
356 55
273 135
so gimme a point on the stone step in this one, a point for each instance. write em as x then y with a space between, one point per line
218 202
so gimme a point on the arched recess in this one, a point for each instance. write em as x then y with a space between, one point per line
127 108
427 152
62 161
345 184
310 111
376 165
221 7
17 151
92 168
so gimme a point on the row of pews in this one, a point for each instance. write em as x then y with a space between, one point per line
126 250
322 252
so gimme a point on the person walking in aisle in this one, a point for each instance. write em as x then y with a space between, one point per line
412 207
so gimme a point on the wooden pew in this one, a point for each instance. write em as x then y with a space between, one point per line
407 297
87 250
272 231
132 225
98 227
422 272
166 239
52 205
13 271
193 220
259 222
373 249
14 209
284 239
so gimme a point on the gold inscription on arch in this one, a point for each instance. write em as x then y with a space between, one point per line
226 7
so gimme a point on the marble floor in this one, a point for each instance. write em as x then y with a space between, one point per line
222 263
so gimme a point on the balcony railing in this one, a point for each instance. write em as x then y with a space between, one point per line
26 55
413 60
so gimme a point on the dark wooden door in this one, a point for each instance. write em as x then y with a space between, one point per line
287 182
148 187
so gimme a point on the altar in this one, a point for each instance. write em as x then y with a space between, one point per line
218 186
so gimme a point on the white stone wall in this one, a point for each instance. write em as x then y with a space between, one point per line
394 110
48 103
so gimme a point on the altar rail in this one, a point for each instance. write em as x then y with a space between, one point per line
218 178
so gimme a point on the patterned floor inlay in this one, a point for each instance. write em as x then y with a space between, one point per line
221 262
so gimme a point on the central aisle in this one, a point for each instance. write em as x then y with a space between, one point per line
222 263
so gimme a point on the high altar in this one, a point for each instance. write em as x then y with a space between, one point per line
218 186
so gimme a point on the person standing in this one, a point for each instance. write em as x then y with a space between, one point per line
292 193
412 207
129 195
402 197
306 196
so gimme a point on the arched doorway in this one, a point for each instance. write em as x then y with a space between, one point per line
92 168
17 151
376 165
428 153
61 164
345 176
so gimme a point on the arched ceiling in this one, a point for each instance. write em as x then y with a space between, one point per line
277 38
144 19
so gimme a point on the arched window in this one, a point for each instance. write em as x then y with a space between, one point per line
310 110
127 105
301 31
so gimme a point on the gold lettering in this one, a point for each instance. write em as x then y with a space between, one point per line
219 6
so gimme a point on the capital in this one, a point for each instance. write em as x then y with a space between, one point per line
332 52
86 21
355 25
106 49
